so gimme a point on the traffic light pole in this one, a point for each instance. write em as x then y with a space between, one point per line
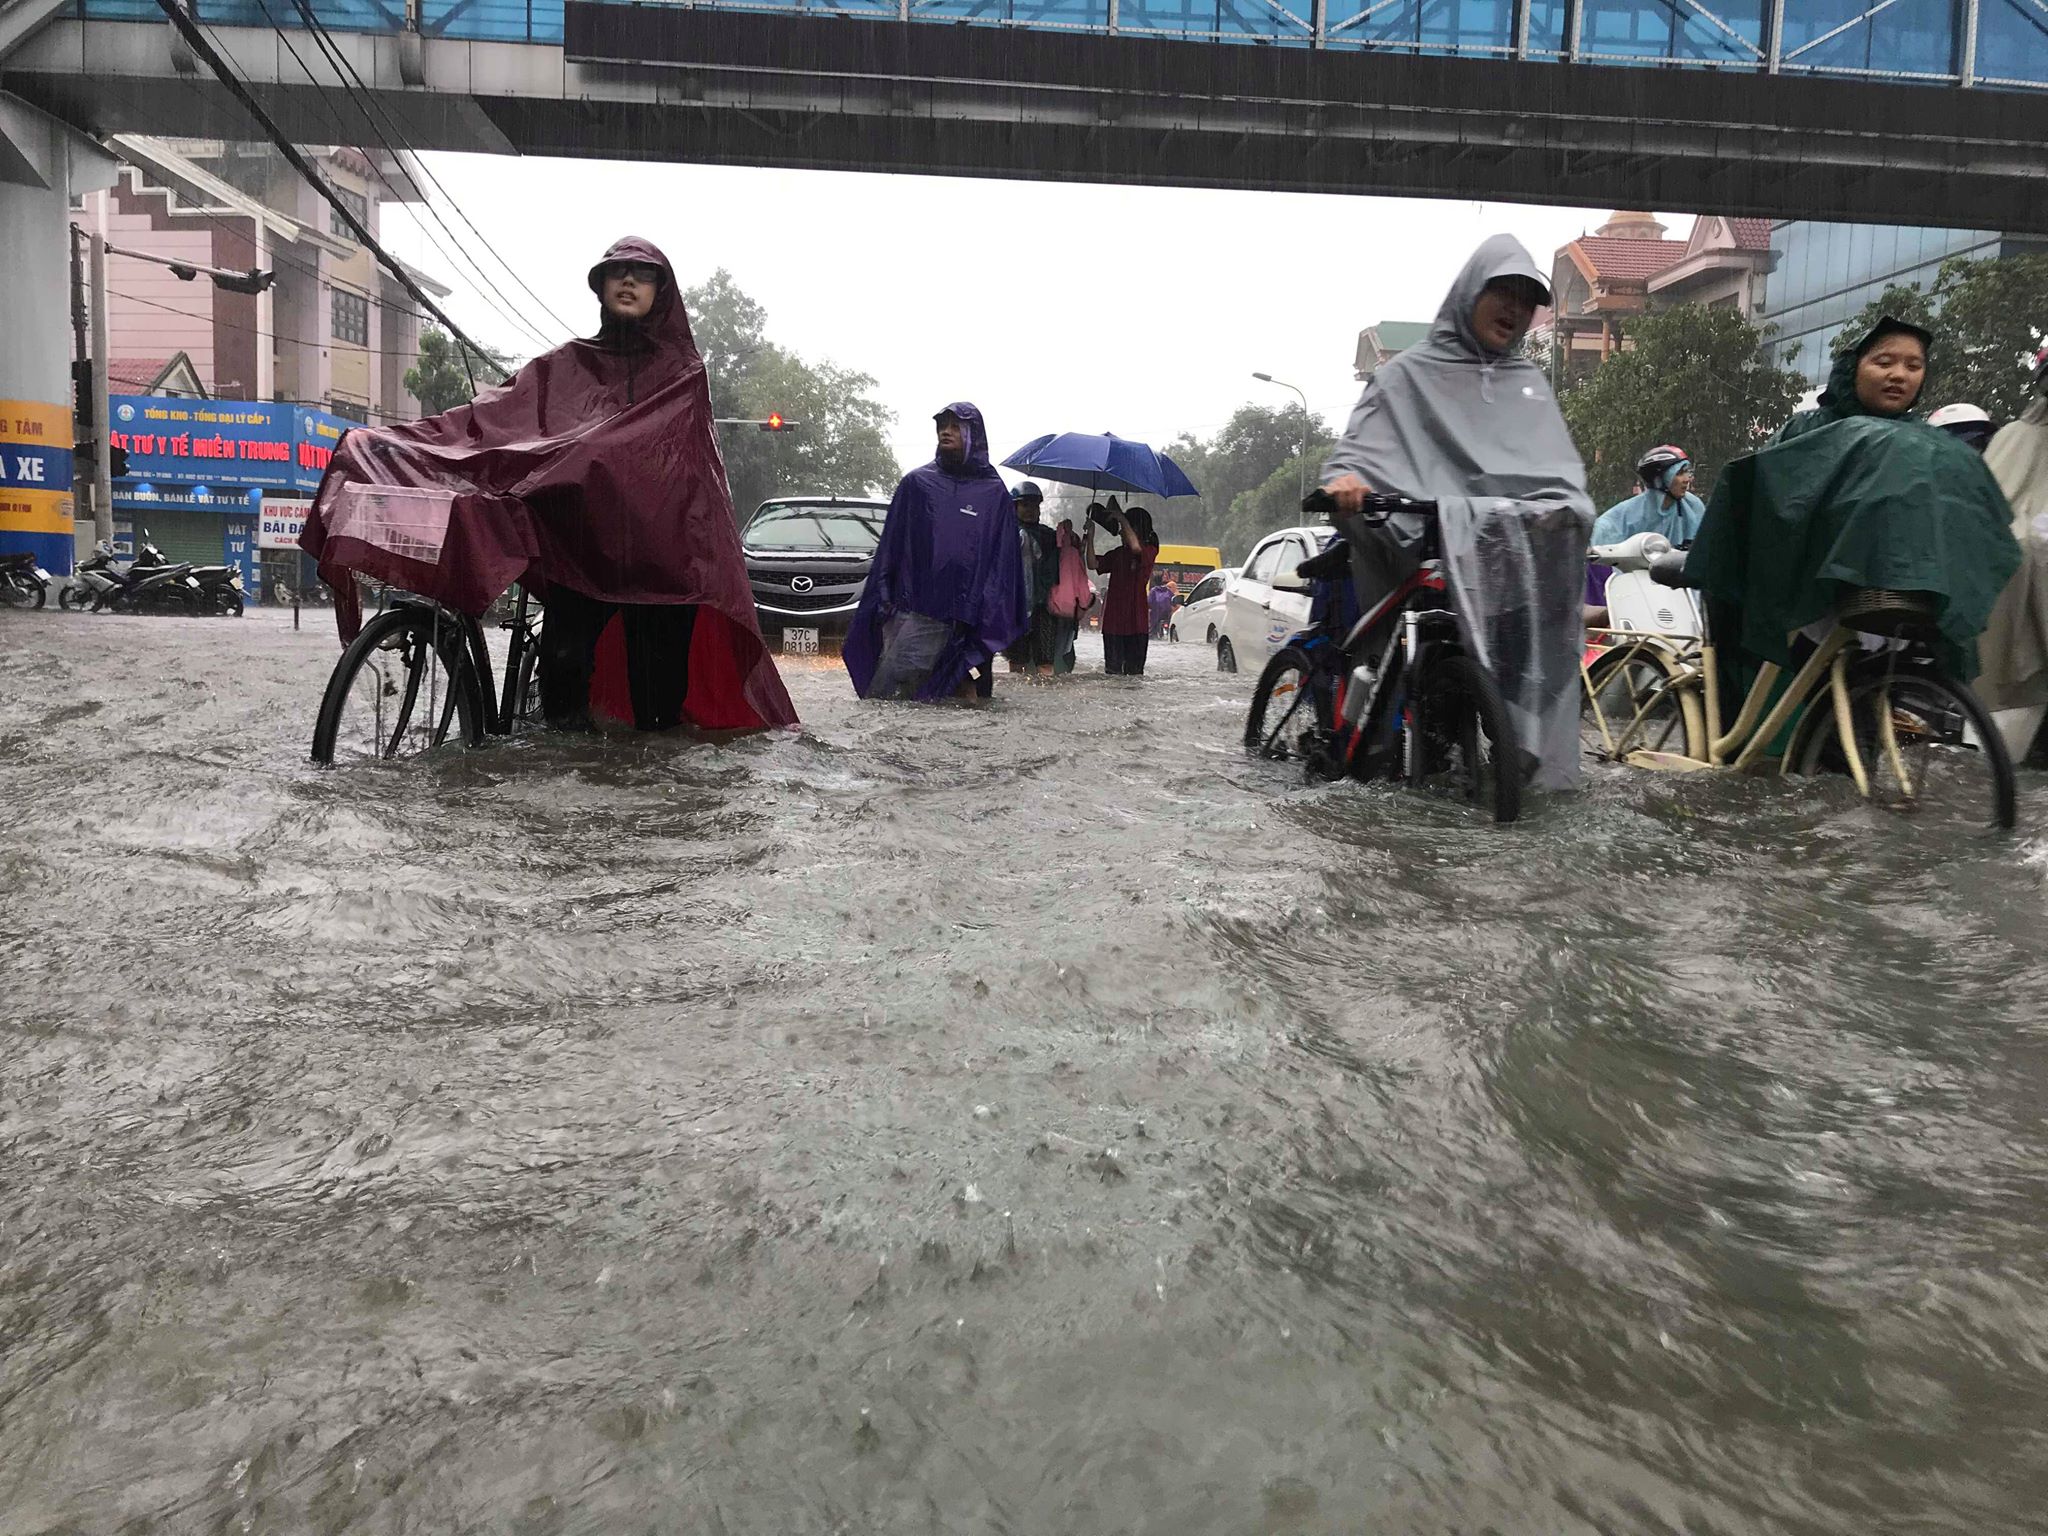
102 460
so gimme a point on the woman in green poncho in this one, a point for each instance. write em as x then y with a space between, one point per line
1848 496
1882 375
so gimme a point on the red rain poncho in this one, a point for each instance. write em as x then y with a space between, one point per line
595 467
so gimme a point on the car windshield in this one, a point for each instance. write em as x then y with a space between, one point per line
815 525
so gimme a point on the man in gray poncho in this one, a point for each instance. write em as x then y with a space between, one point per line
1459 420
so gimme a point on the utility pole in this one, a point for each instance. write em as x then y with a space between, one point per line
81 373
102 460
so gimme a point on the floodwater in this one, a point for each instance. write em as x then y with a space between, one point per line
1035 1119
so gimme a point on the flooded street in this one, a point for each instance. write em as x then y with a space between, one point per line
1032 1119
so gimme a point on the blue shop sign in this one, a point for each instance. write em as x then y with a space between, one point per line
224 443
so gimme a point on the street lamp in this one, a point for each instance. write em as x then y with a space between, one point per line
1301 477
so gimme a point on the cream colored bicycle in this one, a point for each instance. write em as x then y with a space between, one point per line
1869 699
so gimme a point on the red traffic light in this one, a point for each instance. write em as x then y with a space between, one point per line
777 422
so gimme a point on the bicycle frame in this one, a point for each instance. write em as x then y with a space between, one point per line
1692 664
499 704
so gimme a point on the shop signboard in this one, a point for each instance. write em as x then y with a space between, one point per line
227 442
252 444
280 523
35 481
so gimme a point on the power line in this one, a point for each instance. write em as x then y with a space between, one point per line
340 61
199 44
250 330
488 291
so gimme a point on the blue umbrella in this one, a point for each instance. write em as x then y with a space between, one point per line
1102 461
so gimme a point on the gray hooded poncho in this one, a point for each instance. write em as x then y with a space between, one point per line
1479 433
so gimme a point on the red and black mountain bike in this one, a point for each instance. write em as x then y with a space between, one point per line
1382 684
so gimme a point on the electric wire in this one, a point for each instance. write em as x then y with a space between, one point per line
488 291
360 88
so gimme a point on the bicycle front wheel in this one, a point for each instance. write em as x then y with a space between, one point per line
1927 744
1289 715
405 685
1636 698
1468 748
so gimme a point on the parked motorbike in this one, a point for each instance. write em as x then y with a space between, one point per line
23 583
90 578
220 589
152 584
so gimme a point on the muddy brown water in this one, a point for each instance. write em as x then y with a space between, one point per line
1030 1119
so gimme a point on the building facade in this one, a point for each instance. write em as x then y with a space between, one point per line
227 402
1630 266
1826 273
333 330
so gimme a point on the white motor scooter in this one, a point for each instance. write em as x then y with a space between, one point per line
1636 605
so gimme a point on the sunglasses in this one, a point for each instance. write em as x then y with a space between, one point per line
639 271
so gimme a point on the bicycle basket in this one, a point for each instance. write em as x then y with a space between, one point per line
410 522
1876 611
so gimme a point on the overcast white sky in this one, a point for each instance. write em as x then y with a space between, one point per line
1137 310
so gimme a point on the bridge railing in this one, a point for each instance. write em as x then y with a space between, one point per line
1999 43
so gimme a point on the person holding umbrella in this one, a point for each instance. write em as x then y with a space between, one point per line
1126 615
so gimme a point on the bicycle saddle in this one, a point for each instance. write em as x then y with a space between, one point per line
1668 569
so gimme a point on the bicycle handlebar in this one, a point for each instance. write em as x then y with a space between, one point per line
1377 508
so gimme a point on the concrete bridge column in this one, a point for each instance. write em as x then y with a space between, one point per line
43 166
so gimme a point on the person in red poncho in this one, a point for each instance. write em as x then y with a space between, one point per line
593 476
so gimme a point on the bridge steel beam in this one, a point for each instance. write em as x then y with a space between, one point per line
726 87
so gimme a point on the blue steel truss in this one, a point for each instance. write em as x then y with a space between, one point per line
1965 43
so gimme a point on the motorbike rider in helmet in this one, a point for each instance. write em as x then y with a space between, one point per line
1971 423
1665 505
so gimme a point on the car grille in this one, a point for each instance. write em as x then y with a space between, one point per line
808 602
826 586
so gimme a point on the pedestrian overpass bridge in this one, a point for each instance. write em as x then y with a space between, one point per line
1927 112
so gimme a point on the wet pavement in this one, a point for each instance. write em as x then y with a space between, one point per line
1029 1119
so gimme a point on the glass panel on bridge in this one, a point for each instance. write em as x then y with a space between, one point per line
1053 15
1481 28
1873 37
1247 20
2012 42
492 21
1897 39
1677 31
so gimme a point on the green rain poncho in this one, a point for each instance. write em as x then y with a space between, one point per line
1854 501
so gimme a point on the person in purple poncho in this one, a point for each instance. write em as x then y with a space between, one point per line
947 590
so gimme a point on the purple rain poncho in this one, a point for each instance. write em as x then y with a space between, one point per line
949 551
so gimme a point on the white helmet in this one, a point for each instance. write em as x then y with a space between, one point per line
1961 414
1970 424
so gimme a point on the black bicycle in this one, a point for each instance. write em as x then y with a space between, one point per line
1392 693
419 675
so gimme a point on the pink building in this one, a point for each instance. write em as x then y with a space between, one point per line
333 330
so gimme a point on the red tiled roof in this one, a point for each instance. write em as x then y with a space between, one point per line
139 371
1611 257
1751 234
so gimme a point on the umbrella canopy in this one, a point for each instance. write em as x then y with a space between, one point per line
1102 461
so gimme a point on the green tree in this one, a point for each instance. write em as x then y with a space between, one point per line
1254 446
440 380
1696 376
1276 502
841 444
